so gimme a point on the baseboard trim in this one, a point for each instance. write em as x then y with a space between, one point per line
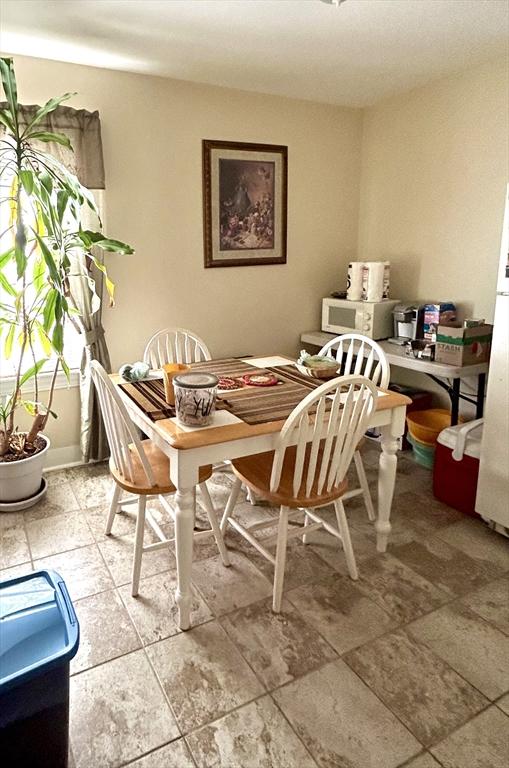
62 458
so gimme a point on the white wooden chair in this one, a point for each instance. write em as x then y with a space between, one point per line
175 345
307 470
360 355
142 469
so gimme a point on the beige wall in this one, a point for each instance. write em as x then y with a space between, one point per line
152 131
434 173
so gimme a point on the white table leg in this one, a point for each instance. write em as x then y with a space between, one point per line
184 527
386 478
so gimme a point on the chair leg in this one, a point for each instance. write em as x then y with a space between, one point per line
211 514
279 574
305 535
230 504
113 508
345 538
251 497
363 480
138 545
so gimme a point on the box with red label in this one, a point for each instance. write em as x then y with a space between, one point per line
435 315
463 346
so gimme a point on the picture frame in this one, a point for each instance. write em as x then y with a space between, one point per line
244 203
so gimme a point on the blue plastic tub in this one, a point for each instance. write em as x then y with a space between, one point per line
39 635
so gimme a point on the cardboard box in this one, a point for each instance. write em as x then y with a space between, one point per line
435 315
463 346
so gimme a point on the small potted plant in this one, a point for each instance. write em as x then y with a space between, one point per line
44 246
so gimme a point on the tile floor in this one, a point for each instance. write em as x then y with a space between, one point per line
406 667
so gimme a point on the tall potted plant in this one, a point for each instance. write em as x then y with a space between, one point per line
44 246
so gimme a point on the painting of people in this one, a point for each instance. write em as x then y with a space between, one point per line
244 201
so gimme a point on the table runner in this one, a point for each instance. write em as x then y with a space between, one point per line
254 405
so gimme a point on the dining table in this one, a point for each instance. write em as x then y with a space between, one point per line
245 423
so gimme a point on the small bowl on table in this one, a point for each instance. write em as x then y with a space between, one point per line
319 371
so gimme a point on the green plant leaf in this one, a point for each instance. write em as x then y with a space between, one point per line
39 273
48 137
5 257
32 372
10 88
65 369
62 199
49 309
27 180
43 338
9 339
8 288
57 338
47 183
48 258
50 106
6 119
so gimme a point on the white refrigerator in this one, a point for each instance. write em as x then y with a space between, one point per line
492 501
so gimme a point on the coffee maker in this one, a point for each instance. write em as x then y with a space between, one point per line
408 320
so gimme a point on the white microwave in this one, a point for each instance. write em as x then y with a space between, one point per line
369 318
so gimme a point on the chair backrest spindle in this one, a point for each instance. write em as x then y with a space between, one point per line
122 435
325 428
175 345
359 355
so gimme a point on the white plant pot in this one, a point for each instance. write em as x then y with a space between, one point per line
20 480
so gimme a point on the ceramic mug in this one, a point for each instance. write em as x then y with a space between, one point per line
170 370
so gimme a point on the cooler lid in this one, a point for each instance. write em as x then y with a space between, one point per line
450 436
38 626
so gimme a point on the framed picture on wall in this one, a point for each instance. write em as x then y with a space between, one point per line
244 203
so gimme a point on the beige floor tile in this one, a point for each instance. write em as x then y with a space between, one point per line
503 703
492 603
303 565
448 568
92 485
118 551
106 630
481 743
399 590
226 589
13 546
154 612
118 712
58 533
425 694
82 569
278 647
174 755
254 736
58 499
124 523
203 674
423 761
340 612
330 549
15 571
11 520
479 542
471 646
342 722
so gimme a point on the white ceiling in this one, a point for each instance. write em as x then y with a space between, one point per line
353 55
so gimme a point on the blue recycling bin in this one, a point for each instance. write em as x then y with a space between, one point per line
39 635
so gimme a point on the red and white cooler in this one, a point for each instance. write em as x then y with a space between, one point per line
456 465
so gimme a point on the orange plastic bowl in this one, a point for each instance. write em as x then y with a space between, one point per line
425 426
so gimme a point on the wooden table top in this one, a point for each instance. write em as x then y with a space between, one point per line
184 438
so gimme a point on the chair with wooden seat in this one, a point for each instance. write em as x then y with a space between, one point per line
307 470
142 469
360 355
175 345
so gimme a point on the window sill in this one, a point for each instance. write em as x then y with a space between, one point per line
44 379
